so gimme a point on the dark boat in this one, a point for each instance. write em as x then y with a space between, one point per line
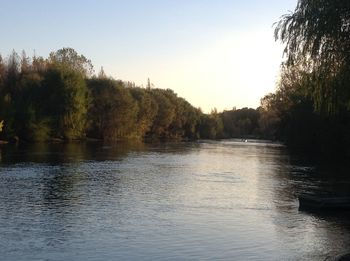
323 203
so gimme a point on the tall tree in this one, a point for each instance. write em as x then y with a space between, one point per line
69 57
25 62
65 101
165 114
317 37
147 110
113 113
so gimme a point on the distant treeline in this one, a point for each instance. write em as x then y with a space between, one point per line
60 98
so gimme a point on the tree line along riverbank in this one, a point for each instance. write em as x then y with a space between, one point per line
60 98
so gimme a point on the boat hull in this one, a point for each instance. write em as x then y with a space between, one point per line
324 203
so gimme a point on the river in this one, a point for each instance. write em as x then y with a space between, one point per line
206 200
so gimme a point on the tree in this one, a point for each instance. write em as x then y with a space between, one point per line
211 126
65 101
41 99
70 58
113 113
25 62
147 110
317 37
12 73
101 73
241 123
165 114
190 120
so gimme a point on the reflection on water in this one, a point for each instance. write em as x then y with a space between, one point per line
203 200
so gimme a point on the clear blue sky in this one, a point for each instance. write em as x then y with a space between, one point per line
214 53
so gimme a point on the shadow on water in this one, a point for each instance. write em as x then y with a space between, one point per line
280 179
57 153
294 175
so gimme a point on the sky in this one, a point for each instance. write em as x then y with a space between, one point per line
214 53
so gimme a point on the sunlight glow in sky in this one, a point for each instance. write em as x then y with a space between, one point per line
213 53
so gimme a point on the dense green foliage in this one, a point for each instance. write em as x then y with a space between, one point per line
241 123
310 110
317 39
59 98
113 111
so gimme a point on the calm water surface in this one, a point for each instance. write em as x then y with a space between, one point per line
182 201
